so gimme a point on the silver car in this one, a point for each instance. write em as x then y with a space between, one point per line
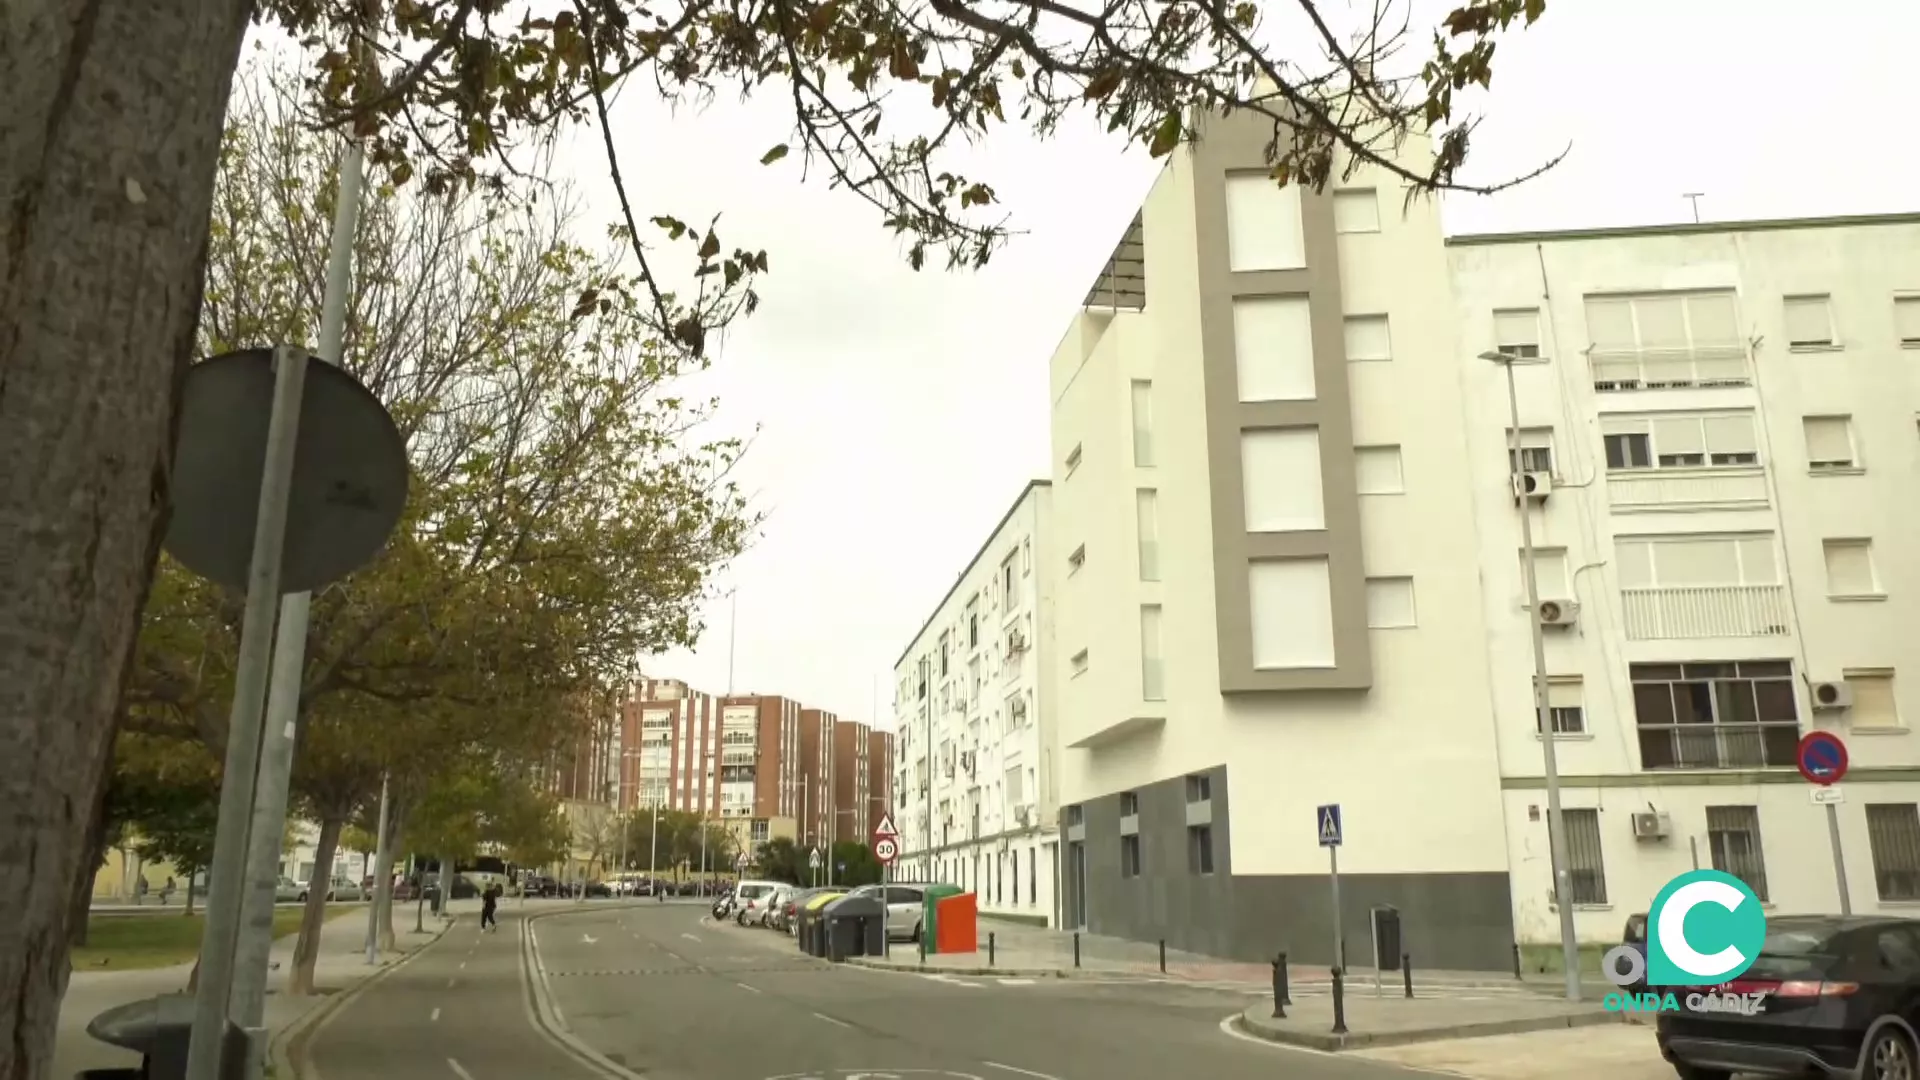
750 901
906 908
288 891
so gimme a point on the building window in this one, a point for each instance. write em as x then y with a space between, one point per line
1200 849
1810 322
1874 705
1076 816
1850 572
1906 321
1076 559
1390 603
1130 855
1368 338
1830 445
1014 861
1516 333
1670 562
1586 867
1009 585
1146 512
1033 876
1718 441
1356 210
1550 574
1077 665
1142 423
1566 705
1153 677
1199 788
1073 459
1716 715
1536 451
1733 835
1666 341
1376 470
1129 804
1893 832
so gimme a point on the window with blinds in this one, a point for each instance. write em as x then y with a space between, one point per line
1906 321
1733 836
1680 441
1516 333
1666 340
1586 868
1873 700
1810 322
1830 445
1893 833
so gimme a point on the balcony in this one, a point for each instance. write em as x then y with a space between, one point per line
1696 366
1641 490
1769 745
1705 611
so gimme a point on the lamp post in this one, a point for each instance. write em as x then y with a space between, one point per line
1543 712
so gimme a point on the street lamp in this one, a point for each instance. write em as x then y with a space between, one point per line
1543 712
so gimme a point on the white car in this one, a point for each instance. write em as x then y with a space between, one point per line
750 899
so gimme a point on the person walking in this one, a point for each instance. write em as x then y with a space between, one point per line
489 900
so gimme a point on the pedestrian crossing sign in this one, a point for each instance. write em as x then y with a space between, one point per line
1327 823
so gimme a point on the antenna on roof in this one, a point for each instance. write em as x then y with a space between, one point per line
1694 198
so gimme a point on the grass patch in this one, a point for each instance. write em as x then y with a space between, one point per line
137 942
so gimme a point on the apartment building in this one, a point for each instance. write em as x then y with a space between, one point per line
1286 553
759 766
852 774
879 780
974 752
670 736
586 764
816 776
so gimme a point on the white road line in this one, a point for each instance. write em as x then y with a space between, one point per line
1016 1069
689 937
463 965
450 983
844 1024
434 1017
459 1069
752 989
1016 982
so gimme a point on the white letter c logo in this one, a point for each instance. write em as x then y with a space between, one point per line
1673 924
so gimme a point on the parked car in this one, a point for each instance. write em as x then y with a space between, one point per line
906 907
786 915
748 897
340 889
1842 999
539 885
288 891
774 902
1635 937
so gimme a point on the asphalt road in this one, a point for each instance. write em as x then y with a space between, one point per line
668 994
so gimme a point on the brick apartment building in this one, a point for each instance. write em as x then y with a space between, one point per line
584 768
879 779
852 776
816 775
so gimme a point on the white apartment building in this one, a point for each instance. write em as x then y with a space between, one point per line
975 757
1286 543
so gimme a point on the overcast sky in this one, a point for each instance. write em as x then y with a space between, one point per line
900 413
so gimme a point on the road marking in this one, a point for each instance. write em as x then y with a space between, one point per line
459 1070
689 937
1229 1026
841 1023
450 983
1016 1069
435 1017
753 990
463 965
1016 982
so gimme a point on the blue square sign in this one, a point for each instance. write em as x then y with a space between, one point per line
1326 824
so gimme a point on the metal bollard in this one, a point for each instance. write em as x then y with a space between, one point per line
1339 1003
923 949
1406 972
1286 987
1076 948
1280 986
991 950
1163 956
1516 961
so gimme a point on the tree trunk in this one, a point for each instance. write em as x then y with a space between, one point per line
95 854
189 911
306 951
108 145
383 896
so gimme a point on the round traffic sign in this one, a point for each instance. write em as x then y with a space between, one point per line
1821 757
885 850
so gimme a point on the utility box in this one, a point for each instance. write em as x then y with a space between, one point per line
855 927
159 1030
1387 940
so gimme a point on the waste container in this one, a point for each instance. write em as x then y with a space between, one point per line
159 1030
1386 938
854 927
933 897
812 930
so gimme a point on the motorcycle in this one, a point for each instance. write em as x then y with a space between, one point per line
723 907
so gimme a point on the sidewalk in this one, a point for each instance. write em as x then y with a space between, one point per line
1616 1052
341 965
1390 1021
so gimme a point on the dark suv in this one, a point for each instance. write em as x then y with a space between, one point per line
1828 995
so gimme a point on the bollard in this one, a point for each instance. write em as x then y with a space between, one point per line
1406 972
1163 956
1286 988
1516 961
990 950
1339 1003
1280 986
923 949
1076 948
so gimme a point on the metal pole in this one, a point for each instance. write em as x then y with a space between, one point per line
1333 875
1556 821
926 679
653 856
380 871
248 998
230 847
1839 860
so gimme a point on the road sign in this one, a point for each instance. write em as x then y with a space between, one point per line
1327 824
885 828
1822 757
1827 795
885 850
740 861
813 859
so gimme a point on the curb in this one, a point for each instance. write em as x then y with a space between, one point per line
917 969
286 1050
544 1012
1360 1040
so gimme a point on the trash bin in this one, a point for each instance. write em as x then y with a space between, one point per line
930 928
812 932
853 927
1386 938
159 1030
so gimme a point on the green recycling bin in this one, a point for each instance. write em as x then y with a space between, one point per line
930 913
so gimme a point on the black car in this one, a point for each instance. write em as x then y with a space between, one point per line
1828 995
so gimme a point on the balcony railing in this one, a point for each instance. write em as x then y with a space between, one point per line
1685 367
1719 746
1705 611
1685 489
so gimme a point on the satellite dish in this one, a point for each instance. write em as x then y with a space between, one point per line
349 473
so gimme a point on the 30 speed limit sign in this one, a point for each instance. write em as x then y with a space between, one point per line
886 850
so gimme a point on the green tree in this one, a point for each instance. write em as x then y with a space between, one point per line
780 859
854 864
165 794
98 318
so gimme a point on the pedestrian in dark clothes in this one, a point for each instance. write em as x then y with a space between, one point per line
489 900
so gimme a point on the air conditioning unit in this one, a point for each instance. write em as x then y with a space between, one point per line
1832 696
1532 485
1559 613
1650 825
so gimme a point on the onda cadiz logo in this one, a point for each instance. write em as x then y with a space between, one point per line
1704 928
